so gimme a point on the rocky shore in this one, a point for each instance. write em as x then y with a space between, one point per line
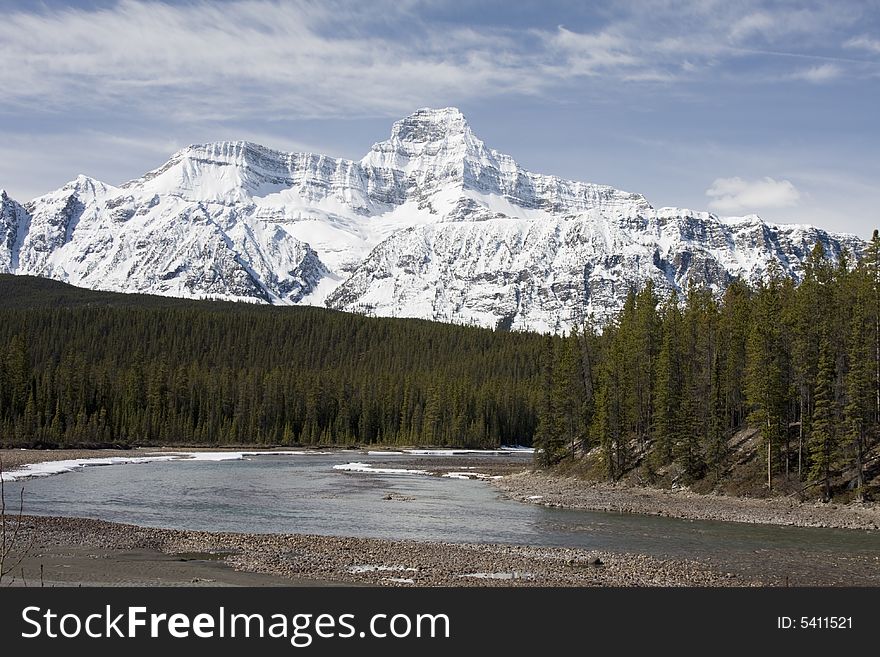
570 492
112 548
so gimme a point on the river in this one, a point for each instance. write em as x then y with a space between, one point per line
306 494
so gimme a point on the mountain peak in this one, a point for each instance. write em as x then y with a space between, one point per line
426 134
227 150
83 184
429 125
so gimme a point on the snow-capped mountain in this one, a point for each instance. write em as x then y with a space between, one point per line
431 223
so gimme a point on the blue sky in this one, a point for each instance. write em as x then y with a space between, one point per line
733 106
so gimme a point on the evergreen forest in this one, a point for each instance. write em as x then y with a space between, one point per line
664 393
83 368
776 383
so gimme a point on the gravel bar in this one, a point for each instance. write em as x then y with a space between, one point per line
378 562
570 492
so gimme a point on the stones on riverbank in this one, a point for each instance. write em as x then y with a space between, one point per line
386 562
569 492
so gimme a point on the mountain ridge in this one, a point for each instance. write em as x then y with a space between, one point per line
430 223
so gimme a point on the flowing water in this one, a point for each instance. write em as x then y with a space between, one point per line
305 494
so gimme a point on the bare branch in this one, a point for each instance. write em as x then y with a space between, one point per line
8 543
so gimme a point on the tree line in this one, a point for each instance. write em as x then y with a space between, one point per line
670 382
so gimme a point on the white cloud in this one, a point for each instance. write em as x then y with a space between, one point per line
589 54
751 24
732 195
819 74
777 22
206 60
863 42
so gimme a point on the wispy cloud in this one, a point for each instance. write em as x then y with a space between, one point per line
863 42
732 195
751 24
592 54
819 74
208 59
205 60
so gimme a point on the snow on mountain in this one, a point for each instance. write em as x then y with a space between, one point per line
13 227
552 275
430 223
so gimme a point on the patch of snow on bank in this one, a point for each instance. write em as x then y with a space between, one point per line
462 452
237 456
470 475
513 575
371 568
49 468
366 467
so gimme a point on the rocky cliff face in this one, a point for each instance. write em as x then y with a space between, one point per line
430 223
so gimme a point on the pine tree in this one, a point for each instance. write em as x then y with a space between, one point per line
588 348
668 389
807 315
645 349
857 412
733 329
544 441
567 399
17 373
766 386
823 437
607 423
715 447
872 264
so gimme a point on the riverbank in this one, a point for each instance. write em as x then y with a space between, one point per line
90 552
15 458
75 551
535 487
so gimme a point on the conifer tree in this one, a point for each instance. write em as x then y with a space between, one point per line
669 387
607 422
872 264
645 346
733 328
766 387
545 445
858 409
806 318
823 436
567 398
